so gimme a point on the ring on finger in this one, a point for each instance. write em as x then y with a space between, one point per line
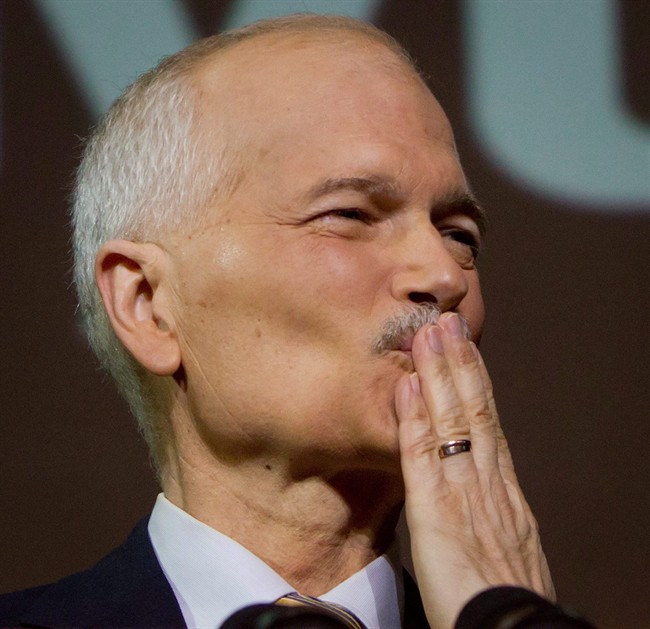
457 446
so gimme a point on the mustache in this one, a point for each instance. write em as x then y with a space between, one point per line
399 330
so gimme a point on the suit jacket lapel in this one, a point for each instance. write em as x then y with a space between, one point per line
128 589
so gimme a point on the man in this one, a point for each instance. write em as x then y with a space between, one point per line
275 252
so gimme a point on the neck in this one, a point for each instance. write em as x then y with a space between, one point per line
314 530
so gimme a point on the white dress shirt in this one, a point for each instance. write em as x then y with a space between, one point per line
213 576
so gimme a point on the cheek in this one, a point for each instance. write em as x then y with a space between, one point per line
308 291
342 274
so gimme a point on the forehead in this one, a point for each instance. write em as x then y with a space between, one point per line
340 102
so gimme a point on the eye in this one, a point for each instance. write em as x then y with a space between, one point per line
345 222
466 238
352 214
463 245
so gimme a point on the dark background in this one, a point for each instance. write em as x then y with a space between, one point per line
566 339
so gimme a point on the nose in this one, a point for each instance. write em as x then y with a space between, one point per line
425 270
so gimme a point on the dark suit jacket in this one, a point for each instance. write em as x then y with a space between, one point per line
125 589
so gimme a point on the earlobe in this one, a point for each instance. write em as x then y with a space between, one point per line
133 281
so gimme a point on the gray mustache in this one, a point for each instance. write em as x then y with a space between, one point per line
395 330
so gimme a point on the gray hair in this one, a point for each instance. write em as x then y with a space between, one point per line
146 171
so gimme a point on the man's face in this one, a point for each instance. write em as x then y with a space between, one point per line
351 210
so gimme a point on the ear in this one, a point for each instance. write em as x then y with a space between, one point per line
133 280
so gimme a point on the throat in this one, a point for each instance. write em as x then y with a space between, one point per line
314 532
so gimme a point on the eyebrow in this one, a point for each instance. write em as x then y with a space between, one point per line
456 202
464 203
369 185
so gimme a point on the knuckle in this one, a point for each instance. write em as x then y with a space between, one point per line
423 445
422 417
437 369
451 424
479 410
465 355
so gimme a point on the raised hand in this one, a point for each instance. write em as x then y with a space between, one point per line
470 525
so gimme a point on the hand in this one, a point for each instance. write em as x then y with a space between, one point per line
470 525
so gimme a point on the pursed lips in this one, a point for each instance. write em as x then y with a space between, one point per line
406 343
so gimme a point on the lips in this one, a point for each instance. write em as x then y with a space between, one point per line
405 343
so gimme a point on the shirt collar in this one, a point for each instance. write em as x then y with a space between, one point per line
212 576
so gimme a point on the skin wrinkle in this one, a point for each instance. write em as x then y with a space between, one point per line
309 397
225 413
318 535
285 334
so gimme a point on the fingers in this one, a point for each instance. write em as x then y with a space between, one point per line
418 446
455 394
448 420
503 452
461 405
474 392
470 525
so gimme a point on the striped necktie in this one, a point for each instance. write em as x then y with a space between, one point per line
341 613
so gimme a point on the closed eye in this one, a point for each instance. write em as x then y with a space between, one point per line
351 214
464 238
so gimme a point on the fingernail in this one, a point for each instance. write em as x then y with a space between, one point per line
455 327
415 383
435 340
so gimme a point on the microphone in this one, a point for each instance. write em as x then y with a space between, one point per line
509 607
271 616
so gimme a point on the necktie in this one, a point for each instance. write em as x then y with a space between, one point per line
344 615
